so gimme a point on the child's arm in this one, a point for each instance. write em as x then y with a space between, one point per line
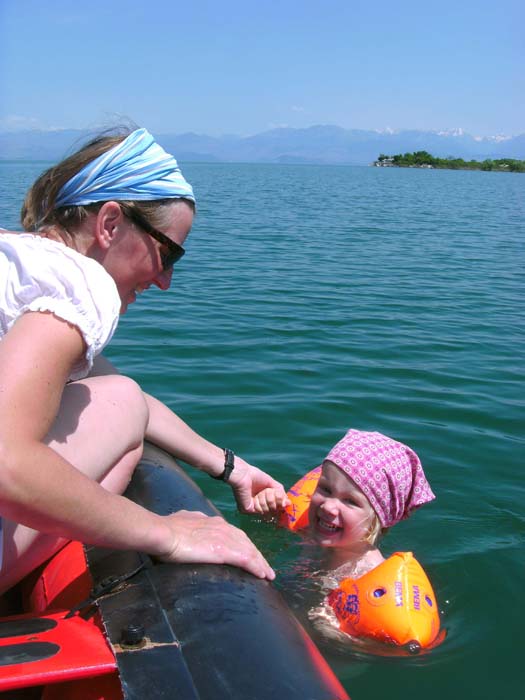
270 501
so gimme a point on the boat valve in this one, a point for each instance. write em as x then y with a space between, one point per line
132 636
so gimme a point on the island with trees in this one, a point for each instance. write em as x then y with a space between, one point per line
422 159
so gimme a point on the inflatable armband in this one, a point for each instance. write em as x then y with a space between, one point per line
394 602
295 515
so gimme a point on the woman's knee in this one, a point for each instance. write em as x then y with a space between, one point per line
100 420
121 402
126 395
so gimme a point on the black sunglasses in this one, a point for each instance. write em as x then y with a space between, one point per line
175 251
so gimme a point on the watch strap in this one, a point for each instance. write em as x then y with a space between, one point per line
228 466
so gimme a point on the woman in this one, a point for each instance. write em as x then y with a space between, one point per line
106 224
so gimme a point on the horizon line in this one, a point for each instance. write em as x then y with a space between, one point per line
387 131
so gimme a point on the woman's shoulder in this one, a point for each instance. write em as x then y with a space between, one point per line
50 262
39 274
26 247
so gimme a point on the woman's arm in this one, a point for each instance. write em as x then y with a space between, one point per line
40 489
166 430
172 434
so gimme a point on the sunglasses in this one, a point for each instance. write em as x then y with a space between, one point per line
174 252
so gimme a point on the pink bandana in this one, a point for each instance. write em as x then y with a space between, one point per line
387 472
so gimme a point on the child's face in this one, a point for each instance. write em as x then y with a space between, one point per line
339 514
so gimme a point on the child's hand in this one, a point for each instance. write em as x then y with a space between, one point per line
270 500
249 483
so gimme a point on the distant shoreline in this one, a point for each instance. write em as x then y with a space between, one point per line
422 159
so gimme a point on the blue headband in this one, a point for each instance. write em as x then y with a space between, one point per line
135 169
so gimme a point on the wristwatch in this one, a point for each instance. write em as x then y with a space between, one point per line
228 466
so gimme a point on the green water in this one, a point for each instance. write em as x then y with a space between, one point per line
313 299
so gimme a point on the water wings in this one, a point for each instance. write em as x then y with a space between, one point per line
394 603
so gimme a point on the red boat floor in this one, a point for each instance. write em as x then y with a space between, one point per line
51 649
42 647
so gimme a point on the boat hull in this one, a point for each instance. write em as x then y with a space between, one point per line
189 632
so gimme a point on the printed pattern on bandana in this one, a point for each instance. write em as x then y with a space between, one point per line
388 472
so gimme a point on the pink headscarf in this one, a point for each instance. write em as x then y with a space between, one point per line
387 472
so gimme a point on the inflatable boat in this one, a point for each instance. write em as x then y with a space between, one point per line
97 624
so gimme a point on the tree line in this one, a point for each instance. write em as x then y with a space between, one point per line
423 159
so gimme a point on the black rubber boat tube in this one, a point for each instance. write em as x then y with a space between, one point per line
202 631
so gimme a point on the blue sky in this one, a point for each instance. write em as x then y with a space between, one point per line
244 66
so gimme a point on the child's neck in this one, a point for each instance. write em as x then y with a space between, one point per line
362 553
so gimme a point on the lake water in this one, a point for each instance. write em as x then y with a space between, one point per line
315 298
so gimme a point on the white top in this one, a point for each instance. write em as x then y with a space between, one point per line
38 274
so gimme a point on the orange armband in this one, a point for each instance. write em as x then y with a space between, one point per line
295 515
394 602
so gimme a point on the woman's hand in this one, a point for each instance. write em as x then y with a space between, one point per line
248 482
198 538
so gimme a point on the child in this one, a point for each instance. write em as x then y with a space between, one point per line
368 483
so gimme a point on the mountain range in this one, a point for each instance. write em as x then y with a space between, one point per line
316 144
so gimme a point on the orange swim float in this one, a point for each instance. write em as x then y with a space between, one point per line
393 603
295 515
